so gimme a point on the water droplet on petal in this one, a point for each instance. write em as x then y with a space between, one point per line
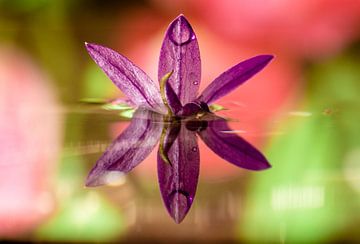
194 149
194 78
181 32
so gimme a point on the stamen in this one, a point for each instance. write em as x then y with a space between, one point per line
162 152
163 81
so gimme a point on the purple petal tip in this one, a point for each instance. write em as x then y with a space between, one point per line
93 181
262 165
89 45
266 57
178 207
260 61
92 48
180 31
179 17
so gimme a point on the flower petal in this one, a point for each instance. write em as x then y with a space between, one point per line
218 137
129 149
172 99
234 77
129 78
180 53
178 180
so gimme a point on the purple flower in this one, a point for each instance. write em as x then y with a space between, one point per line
173 114
178 154
179 74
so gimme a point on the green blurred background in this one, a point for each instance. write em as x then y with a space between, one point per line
302 111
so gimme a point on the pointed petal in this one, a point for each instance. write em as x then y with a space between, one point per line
178 180
180 53
231 147
129 78
133 145
233 78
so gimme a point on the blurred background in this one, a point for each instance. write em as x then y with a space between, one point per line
302 112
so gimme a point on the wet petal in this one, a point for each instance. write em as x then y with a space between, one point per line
180 53
130 79
232 78
132 146
231 147
178 180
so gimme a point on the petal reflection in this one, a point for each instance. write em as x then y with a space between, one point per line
178 179
231 147
129 149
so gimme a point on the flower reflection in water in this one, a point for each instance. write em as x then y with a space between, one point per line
178 153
